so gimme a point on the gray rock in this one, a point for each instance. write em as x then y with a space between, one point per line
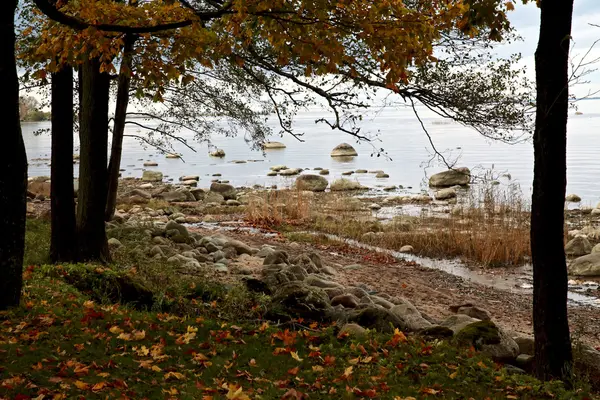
227 191
361 171
301 301
343 184
343 150
382 302
412 321
573 198
160 240
358 292
588 265
458 322
290 172
381 175
152 176
233 203
213 197
219 267
587 363
172 225
375 207
445 194
264 251
278 168
375 317
141 193
314 183
198 193
273 145
458 176
347 173
240 247
314 280
327 270
578 246
347 300
176 196
324 172
353 267
354 330
333 292
526 344
276 257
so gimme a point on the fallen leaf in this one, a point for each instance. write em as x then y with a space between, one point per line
81 385
295 356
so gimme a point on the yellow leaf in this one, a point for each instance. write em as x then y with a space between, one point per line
172 391
317 368
115 329
453 375
81 385
295 356
236 393
156 368
176 375
354 361
348 371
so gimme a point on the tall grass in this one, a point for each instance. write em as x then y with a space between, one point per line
274 208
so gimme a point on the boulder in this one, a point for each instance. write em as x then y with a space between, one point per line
324 172
588 265
381 175
227 191
273 145
114 243
314 183
445 194
276 257
220 153
375 317
596 248
290 171
174 156
458 322
179 195
334 292
526 344
573 198
198 193
343 150
213 197
578 246
37 187
278 168
587 364
353 330
343 184
472 311
412 320
489 339
347 300
458 176
152 176
141 193
182 230
298 300
240 247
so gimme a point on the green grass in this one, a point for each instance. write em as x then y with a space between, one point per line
61 344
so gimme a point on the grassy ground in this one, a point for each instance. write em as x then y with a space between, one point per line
77 337
61 345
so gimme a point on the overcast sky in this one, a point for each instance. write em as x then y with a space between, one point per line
526 20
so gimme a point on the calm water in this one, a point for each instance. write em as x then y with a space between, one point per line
400 134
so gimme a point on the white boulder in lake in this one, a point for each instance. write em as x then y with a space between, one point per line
313 183
290 171
573 198
588 265
445 194
578 246
220 153
343 150
152 176
273 145
457 176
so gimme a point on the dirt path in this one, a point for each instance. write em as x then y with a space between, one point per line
430 290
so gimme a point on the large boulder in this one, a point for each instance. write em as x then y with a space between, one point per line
458 176
343 150
588 265
273 145
226 190
578 246
489 339
345 185
152 176
314 183
298 300
38 187
179 195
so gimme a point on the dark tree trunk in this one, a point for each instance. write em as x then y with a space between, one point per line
119 127
13 164
63 243
93 137
553 358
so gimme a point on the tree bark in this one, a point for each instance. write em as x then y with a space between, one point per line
63 240
119 127
13 166
93 137
553 357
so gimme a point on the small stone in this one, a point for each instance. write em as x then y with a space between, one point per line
146 186
219 153
273 145
150 164
233 203
389 188
407 249
173 156
346 173
361 171
272 173
353 267
375 207
354 330
573 198
152 176
114 243
381 175
445 194
324 172
346 300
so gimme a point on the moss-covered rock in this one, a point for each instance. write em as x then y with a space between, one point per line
298 300
490 339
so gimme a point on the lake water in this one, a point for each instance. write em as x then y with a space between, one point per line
400 134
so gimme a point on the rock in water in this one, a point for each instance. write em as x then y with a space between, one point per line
458 176
220 153
152 176
314 183
173 156
343 150
573 198
588 265
227 191
273 145
345 184
445 194
578 246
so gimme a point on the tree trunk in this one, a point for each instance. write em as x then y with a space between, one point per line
63 243
553 358
13 166
119 127
93 137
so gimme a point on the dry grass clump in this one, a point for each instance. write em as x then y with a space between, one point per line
276 207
